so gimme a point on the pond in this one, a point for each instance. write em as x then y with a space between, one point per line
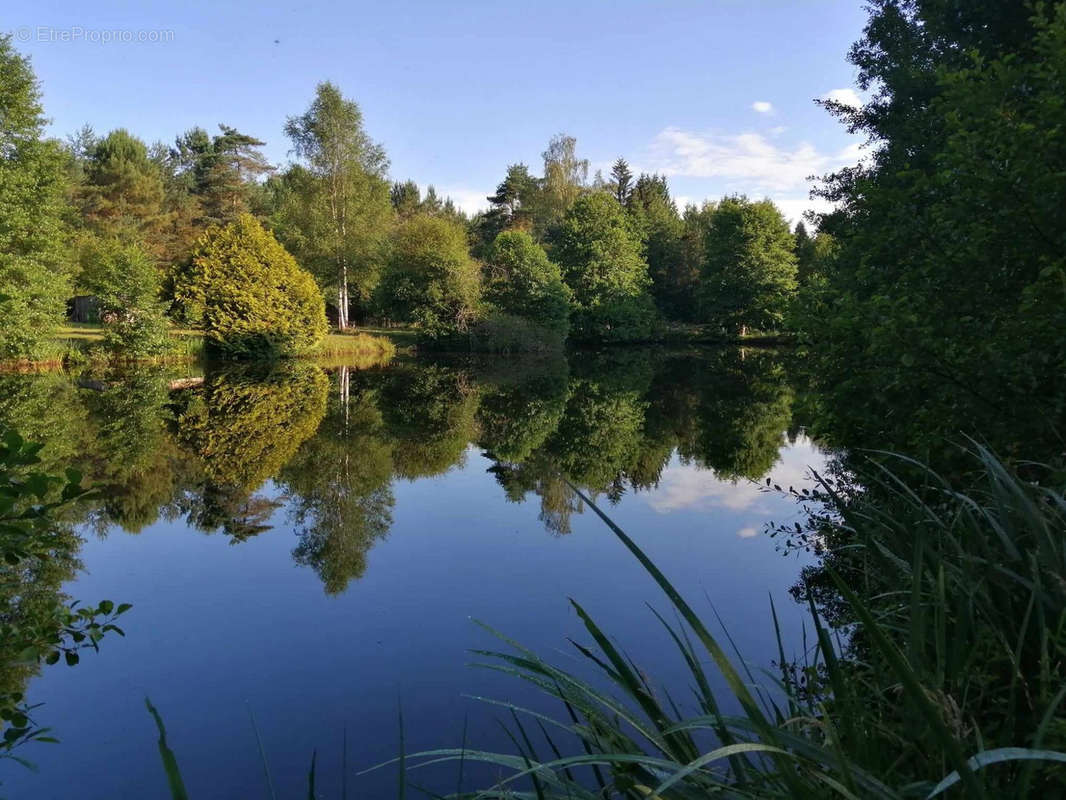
307 551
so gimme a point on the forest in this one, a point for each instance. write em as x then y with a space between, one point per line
190 234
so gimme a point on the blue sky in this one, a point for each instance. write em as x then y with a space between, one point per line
717 94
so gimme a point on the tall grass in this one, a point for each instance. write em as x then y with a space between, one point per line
355 349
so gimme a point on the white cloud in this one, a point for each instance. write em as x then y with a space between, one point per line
747 533
762 106
687 486
847 97
794 206
747 162
469 200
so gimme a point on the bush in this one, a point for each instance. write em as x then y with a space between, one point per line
250 295
126 282
506 333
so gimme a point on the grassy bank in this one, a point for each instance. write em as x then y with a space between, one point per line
78 344
354 349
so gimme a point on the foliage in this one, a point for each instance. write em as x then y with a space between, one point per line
512 207
335 211
749 269
33 283
661 229
564 177
522 281
621 181
951 569
502 333
220 172
253 299
122 196
430 279
126 283
37 623
944 302
600 256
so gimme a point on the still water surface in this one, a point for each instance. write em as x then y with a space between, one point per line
312 546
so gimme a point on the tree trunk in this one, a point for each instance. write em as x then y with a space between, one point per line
342 298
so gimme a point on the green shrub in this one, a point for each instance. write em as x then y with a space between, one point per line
127 284
507 333
250 295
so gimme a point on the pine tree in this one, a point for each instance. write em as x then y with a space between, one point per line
122 197
622 180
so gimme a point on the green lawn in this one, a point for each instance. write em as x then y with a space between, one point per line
91 331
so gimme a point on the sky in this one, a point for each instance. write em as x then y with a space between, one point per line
718 95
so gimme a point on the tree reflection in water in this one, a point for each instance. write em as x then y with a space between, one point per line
229 453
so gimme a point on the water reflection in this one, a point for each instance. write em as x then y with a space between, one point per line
226 452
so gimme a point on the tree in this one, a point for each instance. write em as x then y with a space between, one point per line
430 279
122 197
600 255
522 282
33 283
340 205
680 285
406 198
621 181
252 298
511 207
812 254
221 171
749 269
564 176
945 296
655 215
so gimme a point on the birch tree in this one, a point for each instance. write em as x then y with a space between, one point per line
338 210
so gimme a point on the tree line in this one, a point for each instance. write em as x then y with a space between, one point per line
206 231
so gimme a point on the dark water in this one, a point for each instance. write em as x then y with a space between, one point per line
310 547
